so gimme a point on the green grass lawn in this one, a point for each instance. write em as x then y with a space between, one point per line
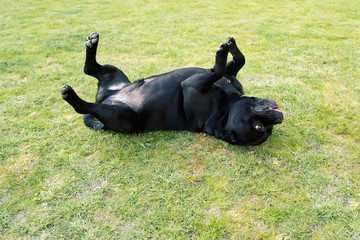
60 180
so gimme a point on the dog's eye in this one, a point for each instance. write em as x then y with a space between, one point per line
259 127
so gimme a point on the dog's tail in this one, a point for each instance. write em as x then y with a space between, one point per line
90 122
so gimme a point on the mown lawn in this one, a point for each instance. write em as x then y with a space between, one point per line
60 180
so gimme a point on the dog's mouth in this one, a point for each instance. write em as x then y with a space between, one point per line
279 115
261 108
269 111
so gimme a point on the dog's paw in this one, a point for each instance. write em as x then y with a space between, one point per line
92 39
232 45
231 41
69 95
66 92
222 50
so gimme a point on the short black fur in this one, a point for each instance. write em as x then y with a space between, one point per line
191 99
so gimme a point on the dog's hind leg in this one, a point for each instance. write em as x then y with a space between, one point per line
120 117
91 66
110 77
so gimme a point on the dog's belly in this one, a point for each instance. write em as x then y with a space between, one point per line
156 89
158 100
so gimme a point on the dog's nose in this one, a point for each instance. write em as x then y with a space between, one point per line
280 118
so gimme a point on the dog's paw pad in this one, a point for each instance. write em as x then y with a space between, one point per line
92 39
231 41
66 91
223 49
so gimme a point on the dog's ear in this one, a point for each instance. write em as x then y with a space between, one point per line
229 137
216 124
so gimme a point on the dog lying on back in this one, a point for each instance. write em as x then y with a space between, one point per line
191 99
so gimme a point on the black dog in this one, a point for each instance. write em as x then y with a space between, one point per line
192 99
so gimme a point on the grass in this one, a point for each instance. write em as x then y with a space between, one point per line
60 180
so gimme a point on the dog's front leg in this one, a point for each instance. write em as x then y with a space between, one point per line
203 81
234 66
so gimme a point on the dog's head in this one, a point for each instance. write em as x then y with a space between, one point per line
250 120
